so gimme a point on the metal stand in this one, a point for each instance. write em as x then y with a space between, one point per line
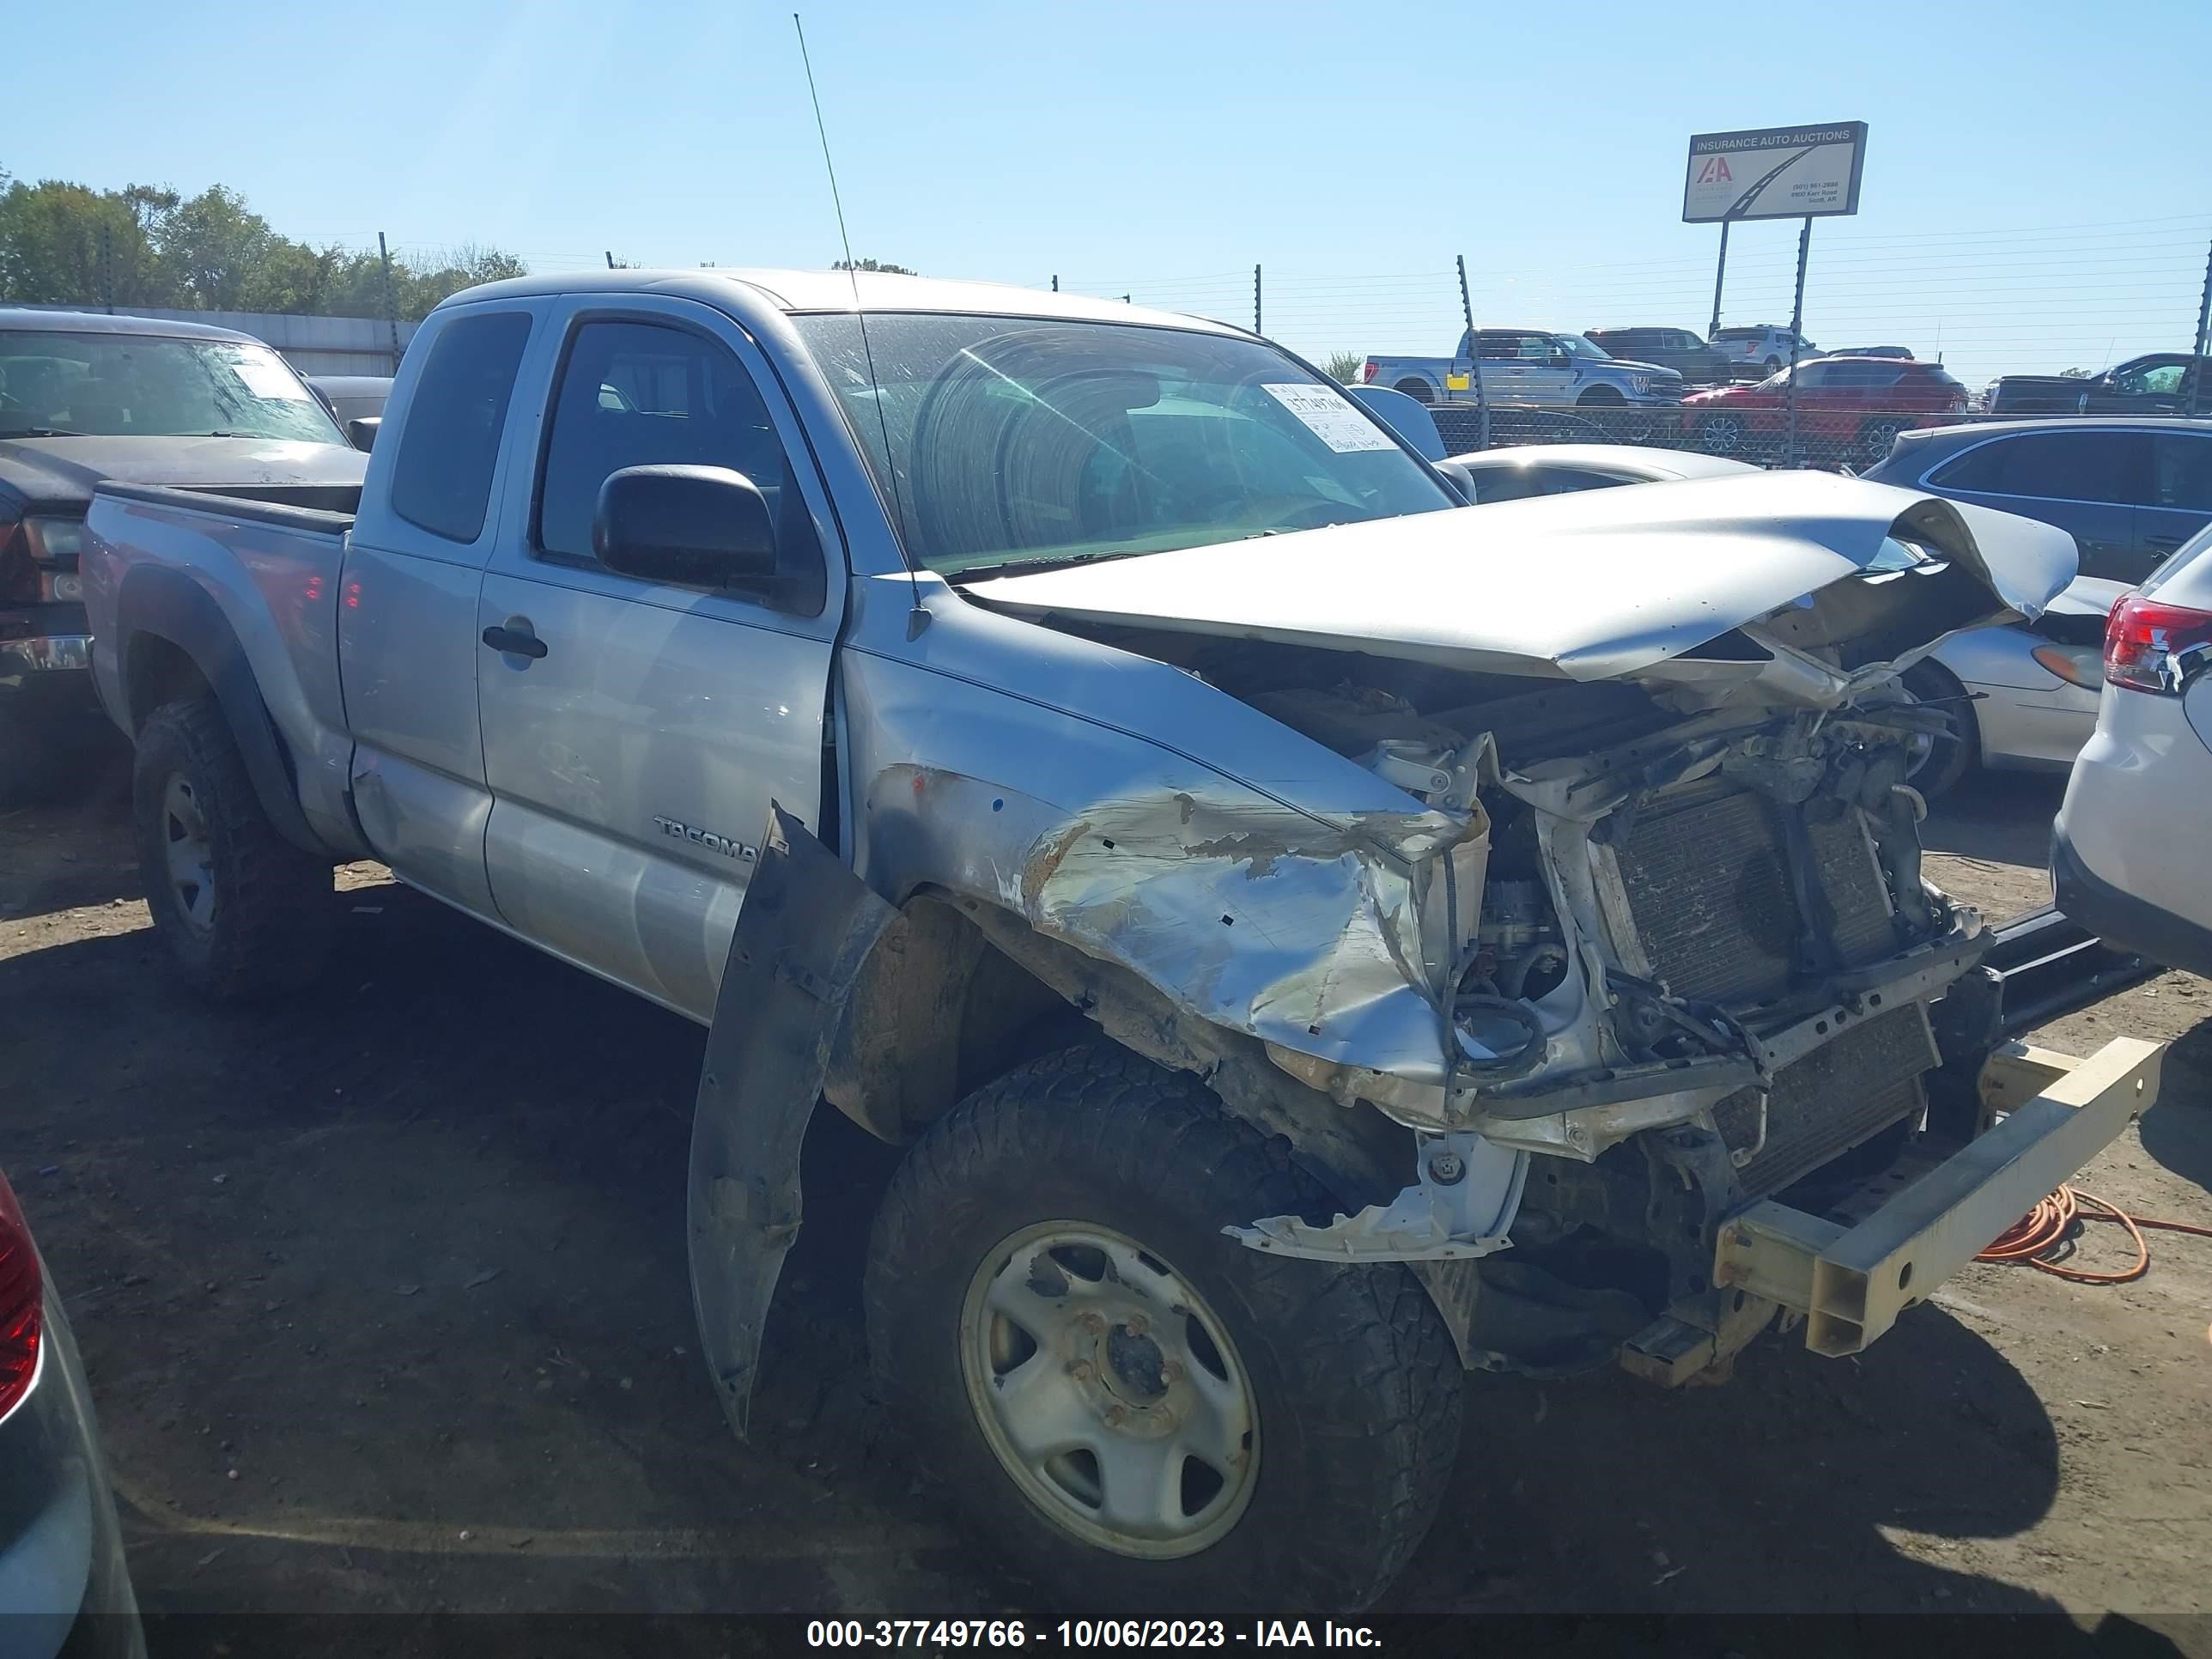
1790 457
1474 359
2204 317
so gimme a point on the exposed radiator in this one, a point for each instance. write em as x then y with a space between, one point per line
1708 885
1842 1094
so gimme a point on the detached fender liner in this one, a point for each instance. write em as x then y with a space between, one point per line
169 605
805 928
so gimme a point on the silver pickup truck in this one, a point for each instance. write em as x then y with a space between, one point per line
1317 939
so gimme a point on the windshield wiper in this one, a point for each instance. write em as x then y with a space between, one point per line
1030 567
38 432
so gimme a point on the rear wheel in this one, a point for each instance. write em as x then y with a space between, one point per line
1721 434
1876 437
1419 390
1141 1411
243 912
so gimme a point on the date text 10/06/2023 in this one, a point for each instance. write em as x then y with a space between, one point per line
937 1634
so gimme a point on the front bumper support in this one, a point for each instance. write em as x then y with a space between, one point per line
1850 1282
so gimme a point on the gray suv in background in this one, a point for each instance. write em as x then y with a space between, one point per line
1764 347
1679 349
2131 491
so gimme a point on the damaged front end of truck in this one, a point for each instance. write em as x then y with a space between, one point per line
1584 911
1659 945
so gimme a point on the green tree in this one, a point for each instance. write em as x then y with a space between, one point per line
64 244
1344 366
874 264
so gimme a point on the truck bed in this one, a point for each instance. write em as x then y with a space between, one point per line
246 568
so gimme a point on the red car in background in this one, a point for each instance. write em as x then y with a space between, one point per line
1848 408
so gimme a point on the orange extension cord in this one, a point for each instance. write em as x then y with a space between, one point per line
2051 1223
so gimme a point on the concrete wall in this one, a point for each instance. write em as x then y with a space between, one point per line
314 346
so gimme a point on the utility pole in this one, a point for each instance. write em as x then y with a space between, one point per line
391 302
1256 329
108 267
1720 272
1789 455
1055 281
611 259
1474 360
2204 317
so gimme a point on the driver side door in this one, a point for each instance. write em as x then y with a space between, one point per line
634 741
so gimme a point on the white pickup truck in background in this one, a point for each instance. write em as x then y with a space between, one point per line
1317 939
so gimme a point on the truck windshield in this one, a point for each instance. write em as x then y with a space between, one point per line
110 385
1582 346
1004 441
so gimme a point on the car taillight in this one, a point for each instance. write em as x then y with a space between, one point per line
1367 370
2149 647
23 1303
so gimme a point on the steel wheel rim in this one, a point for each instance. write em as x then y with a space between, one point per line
1109 1391
190 859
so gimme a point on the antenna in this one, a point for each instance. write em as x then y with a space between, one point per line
917 618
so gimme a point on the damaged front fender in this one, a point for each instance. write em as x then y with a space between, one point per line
806 927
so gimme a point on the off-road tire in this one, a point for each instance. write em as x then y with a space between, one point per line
1355 1379
1950 756
274 909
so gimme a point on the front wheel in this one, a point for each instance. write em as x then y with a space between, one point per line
1142 1411
244 913
1939 760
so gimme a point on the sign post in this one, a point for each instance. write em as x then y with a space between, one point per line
1775 173
1789 454
1720 272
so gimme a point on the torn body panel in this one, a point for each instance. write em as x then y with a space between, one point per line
807 926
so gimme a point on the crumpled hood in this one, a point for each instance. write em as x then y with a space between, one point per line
64 472
1593 586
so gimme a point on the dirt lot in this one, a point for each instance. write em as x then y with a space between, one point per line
384 1301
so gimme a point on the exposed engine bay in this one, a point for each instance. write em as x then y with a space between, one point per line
1704 922
1680 953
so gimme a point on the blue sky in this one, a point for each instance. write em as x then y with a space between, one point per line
2036 193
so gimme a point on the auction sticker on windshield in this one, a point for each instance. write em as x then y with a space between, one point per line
1334 421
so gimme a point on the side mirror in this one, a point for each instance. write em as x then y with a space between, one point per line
1461 477
361 431
702 526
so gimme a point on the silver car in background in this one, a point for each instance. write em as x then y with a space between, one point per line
62 1585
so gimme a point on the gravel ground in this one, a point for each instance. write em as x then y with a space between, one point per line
383 1296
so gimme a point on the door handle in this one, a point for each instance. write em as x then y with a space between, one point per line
514 642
